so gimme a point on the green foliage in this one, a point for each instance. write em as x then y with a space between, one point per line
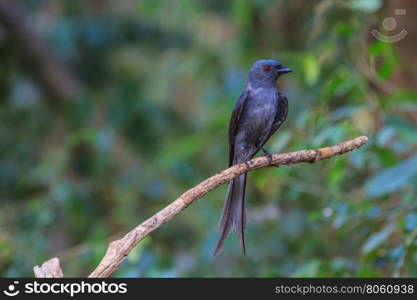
392 178
160 79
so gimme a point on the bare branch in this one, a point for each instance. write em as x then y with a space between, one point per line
119 249
49 269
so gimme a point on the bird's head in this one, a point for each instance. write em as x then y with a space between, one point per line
267 71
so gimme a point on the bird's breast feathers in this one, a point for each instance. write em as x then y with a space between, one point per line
263 100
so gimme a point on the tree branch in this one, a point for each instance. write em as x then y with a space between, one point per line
49 269
119 249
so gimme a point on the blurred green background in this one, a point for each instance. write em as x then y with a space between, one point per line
111 109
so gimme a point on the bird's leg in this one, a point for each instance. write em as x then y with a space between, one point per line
247 163
268 155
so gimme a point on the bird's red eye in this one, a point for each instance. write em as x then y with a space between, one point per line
267 68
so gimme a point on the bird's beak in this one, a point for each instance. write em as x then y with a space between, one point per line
284 69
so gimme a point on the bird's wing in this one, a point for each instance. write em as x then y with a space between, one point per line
281 115
234 121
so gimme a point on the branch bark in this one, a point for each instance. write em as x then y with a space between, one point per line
49 269
119 249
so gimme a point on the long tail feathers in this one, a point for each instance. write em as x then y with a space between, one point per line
233 215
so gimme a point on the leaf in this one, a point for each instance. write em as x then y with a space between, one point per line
393 178
385 135
411 221
377 239
311 69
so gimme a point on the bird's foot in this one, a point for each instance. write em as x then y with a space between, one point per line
268 155
247 163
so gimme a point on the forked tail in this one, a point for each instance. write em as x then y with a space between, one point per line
233 215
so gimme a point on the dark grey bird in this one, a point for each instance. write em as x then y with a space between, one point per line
258 113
